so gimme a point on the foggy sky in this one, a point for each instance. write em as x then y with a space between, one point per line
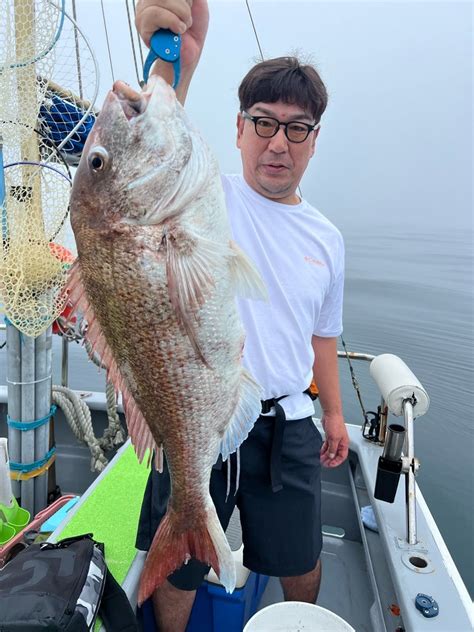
395 146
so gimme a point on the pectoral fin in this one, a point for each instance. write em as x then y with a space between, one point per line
247 279
247 410
188 261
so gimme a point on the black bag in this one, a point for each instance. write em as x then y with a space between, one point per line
62 587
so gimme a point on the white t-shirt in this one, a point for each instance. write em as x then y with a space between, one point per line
300 256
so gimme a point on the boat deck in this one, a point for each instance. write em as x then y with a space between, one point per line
368 577
345 586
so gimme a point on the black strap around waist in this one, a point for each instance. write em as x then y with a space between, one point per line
277 440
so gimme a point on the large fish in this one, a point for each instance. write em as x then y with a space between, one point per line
156 277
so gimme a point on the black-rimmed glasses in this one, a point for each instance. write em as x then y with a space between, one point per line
267 126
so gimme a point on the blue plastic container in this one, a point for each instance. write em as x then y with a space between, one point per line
215 610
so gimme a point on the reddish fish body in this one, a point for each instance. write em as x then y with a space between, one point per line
157 277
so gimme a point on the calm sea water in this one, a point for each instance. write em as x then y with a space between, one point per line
411 295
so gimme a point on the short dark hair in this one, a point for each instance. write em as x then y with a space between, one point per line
284 79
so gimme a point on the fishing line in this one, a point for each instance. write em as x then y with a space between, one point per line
132 42
78 57
261 55
254 30
355 383
85 105
107 39
353 376
139 38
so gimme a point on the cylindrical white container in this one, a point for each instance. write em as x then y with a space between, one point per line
296 616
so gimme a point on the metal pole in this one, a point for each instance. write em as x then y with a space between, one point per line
13 338
65 361
42 409
13 345
28 414
51 439
410 490
383 421
3 203
14 397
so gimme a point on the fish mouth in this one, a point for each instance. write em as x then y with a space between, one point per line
133 103
157 96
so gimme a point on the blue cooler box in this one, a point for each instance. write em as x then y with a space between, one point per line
215 610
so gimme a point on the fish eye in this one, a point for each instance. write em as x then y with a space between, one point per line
99 159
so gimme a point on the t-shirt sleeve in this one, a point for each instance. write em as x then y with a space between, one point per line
329 324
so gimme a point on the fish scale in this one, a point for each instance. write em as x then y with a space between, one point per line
157 276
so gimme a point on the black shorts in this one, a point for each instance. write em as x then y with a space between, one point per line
281 531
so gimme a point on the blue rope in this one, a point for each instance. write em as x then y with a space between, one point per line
24 426
29 467
58 118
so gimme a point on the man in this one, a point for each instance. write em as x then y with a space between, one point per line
290 339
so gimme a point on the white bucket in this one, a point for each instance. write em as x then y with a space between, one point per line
296 616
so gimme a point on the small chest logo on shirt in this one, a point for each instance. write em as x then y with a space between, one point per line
314 262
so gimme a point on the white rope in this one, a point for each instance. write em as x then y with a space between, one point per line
113 434
78 416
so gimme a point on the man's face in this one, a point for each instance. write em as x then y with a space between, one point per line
274 166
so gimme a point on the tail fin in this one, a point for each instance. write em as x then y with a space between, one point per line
171 547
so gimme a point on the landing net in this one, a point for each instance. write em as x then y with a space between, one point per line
48 84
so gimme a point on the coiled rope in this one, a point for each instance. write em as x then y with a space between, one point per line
113 434
77 412
78 416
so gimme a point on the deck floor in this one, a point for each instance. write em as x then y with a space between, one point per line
345 586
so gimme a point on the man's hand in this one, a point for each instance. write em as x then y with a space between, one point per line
180 17
336 446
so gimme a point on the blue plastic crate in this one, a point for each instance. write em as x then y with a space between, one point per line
215 610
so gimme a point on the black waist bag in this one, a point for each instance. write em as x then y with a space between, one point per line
62 587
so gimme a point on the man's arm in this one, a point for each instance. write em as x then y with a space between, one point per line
325 370
178 16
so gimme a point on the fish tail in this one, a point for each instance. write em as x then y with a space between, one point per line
171 547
